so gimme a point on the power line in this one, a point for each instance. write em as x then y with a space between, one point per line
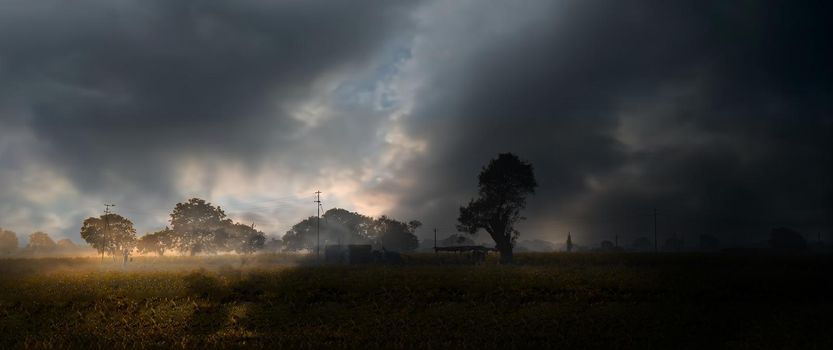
107 213
656 245
318 225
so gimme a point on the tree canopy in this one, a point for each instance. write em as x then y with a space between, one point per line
40 242
109 233
196 226
8 241
199 227
157 242
504 185
396 235
340 226
243 239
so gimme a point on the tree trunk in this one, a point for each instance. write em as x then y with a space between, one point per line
505 250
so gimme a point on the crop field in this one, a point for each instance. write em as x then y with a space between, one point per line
428 301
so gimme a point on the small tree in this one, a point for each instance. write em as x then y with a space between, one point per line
109 233
157 242
504 185
40 242
244 239
8 242
396 235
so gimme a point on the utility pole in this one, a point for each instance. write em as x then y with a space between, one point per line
656 245
435 240
107 213
318 225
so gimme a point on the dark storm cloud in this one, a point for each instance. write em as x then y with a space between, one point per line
716 113
116 94
124 83
727 107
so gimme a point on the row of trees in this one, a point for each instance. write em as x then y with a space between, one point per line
196 226
39 242
339 226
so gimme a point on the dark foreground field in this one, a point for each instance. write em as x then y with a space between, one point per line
550 300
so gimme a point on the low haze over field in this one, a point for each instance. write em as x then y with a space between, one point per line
717 114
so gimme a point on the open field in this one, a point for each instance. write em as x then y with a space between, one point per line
575 300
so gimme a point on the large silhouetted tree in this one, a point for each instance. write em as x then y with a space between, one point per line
109 233
8 241
199 227
504 185
347 226
338 226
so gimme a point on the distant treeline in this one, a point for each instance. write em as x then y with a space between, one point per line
39 243
339 226
198 227
780 239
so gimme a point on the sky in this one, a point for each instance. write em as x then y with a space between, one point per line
718 114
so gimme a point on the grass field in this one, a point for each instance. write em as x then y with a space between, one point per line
550 300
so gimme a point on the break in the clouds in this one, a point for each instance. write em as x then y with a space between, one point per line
717 114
